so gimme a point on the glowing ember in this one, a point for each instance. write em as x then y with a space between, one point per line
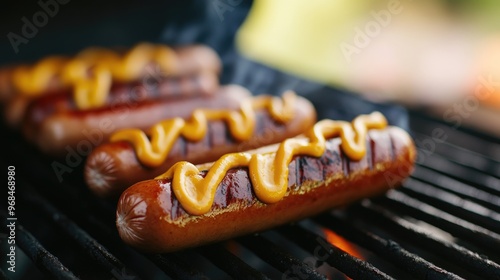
341 243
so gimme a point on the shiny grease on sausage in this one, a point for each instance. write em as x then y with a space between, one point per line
57 132
194 69
114 166
150 217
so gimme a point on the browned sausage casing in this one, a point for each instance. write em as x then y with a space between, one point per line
196 58
6 86
150 218
58 132
189 59
113 167
196 70
198 84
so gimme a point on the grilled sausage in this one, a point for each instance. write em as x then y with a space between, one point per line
43 76
152 217
199 84
57 132
6 87
192 70
196 58
186 60
113 167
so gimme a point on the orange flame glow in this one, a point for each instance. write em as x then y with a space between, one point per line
341 243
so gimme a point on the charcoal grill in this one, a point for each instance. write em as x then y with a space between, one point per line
443 223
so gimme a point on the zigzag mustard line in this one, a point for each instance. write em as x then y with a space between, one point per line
92 91
268 172
241 125
37 78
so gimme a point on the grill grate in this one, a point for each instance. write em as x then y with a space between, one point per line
333 255
229 263
89 245
389 249
404 204
444 223
449 250
47 262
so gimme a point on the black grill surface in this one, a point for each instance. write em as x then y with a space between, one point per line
444 223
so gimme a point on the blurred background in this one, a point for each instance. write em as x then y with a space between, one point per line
437 54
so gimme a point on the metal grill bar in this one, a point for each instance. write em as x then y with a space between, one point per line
465 157
388 249
173 266
484 144
404 204
334 256
278 258
42 258
3 276
94 249
451 203
73 196
489 200
460 255
229 263
479 179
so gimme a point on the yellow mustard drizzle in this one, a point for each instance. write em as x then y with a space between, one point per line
241 125
91 72
31 81
269 172
79 67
